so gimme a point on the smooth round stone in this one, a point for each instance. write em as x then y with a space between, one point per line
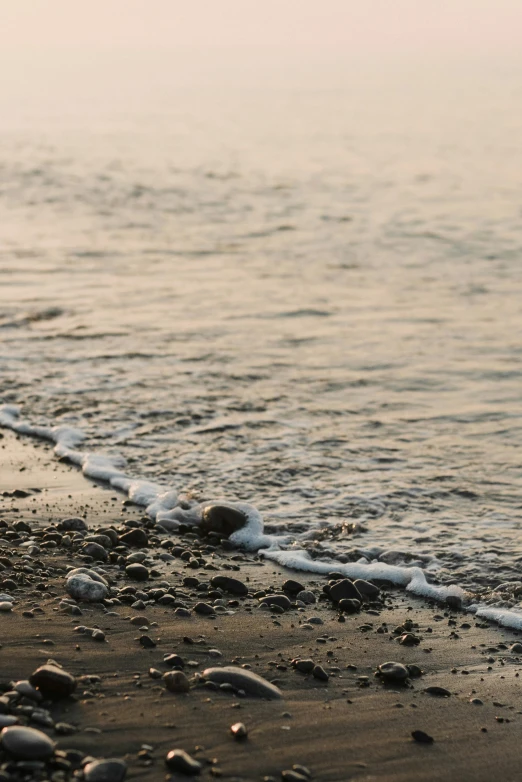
305 666
5 598
26 689
84 571
292 587
229 584
83 587
516 648
238 730
224 519
181 761
281 601
135 537
110 770
137 572
242 679
95 551
392 671
26 743
6 606
54 683
204 608
306 596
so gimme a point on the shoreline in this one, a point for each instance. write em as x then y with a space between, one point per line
350 726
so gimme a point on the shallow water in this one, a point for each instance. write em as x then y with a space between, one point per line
306 300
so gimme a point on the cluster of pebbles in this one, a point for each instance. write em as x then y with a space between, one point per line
129 565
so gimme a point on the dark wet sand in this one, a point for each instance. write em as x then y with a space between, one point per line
346 728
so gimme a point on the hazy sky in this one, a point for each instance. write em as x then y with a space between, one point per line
361 25
136 43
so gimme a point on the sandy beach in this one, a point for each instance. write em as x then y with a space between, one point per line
340 723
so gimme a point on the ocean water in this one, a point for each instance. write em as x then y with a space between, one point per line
308 300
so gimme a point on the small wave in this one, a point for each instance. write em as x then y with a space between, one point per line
161 504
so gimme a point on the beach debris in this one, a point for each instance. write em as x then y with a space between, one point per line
242 679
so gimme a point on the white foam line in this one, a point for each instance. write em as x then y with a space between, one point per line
161 503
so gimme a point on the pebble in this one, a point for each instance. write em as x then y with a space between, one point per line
6 606
305 666
224 519
181 761
26 743
392 671
281 601
228 584
83 587
293 587
516 648
290 775
421 737
349 605
110 770
204 608
147 642
72 525
320 673
176 681
242 679
95 551
137 572
344 590
53 682
238 730
174 660
135 537
440 692
366 588
306 597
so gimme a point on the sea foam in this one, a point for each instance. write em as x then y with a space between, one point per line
161 503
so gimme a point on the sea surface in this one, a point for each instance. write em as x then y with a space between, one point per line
309 300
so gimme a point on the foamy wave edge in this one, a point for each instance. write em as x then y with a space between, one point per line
160 504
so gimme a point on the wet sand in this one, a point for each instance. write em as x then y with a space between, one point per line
350 727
